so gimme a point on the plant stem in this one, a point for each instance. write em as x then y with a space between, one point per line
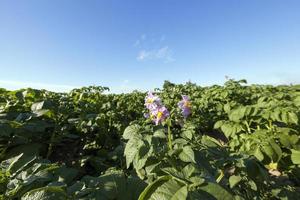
248 127
220 176
169 135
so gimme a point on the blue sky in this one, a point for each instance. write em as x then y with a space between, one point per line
61 44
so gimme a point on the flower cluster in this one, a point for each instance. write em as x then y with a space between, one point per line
157 111
185 106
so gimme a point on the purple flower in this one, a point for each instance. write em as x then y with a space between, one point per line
157 111
185 106
161 115
152 101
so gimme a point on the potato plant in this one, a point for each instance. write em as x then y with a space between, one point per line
182 141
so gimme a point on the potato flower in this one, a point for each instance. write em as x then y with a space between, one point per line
157 111
161 115
185 106
152 101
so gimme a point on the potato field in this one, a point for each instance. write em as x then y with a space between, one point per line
181 141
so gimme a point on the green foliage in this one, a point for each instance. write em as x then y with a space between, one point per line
240 142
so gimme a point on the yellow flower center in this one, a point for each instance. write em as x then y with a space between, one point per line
187 104
150 100
159 115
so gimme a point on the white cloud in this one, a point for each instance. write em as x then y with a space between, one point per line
163 53
153 48
14 85
143 54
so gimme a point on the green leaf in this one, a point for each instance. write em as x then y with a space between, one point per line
181 194
4 178
37 106
218 124
295 157
37 175
269 151
231 128
152 167
237 114
152 187
254 169
227 107
233 180
285 117
9 163
258 154
277 150
187 154
159 134
216 191
131 131
294 139
181 176
285 140
210 141
188 170
293 117
276 115
273 151
252 185
165 189
188 134
47 104
142 156
197 180
46 193
42 112
111 185
29 152
131 149
297 101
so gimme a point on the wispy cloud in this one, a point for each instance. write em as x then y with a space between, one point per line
163 53
153 48
14 85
